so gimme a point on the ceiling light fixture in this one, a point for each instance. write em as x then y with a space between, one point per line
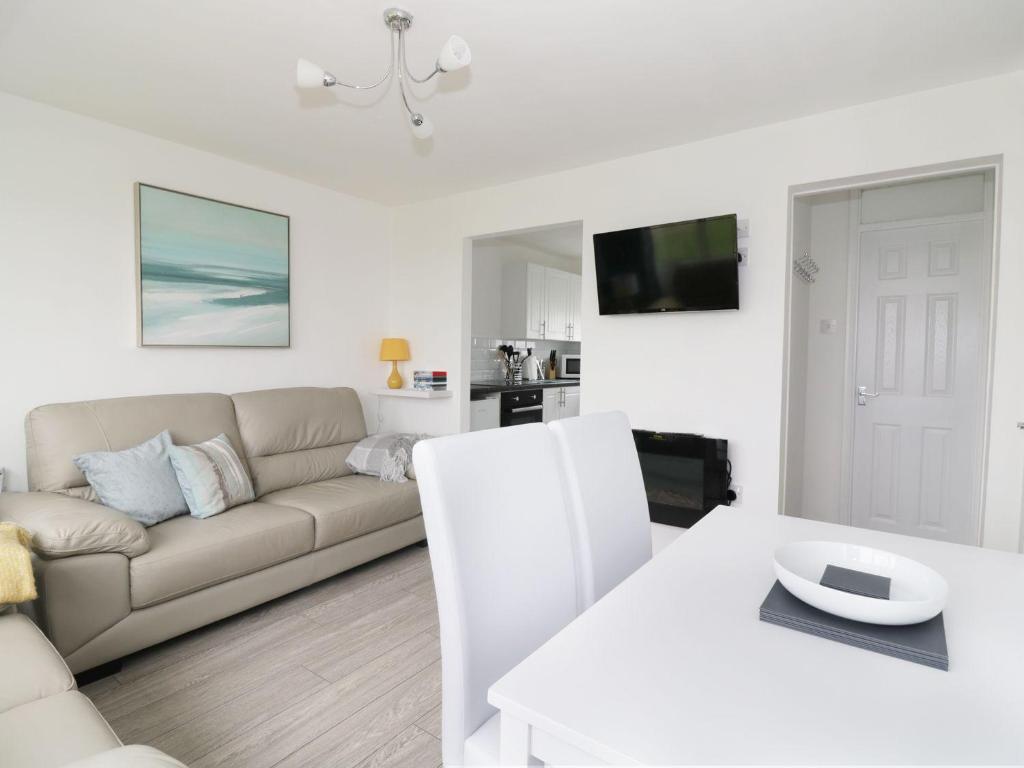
454 55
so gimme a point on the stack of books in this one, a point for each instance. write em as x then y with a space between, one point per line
430 380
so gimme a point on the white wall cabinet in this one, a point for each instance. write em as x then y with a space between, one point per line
540 303
575 311
535 301
561 403
485 414
556 285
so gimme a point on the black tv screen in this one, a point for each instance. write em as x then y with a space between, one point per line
680 267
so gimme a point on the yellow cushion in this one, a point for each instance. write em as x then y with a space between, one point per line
17 584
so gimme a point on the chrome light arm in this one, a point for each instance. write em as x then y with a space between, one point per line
330 80
405 65
401 80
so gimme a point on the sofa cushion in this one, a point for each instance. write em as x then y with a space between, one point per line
299 435
188 554
135 756
33 669
56 433
347 507
53 732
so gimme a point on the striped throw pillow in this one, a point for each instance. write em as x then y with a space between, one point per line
211 476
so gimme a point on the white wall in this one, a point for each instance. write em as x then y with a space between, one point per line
797 384
721 373
488 265
824 366
67 261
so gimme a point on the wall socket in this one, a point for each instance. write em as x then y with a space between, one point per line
743 240
738 490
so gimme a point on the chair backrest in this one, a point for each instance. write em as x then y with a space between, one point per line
607 500
502 557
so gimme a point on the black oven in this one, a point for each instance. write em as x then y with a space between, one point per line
522 406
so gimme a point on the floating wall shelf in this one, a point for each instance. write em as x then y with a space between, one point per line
422 394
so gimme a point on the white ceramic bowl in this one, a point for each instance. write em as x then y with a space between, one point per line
916 594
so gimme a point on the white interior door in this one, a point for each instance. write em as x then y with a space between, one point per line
920 330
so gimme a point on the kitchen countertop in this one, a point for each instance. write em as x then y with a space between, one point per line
480 391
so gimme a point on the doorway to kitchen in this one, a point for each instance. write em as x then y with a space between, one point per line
525 330
888 365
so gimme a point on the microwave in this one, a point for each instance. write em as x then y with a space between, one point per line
569 367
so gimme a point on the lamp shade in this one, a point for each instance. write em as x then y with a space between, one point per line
394 349
454 54
308 74
422 127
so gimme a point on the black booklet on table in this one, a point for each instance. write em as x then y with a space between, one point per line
923 643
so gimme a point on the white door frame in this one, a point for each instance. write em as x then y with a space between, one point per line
989 165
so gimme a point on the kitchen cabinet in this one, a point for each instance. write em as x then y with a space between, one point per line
575 313
539 302
561 403
535 300
485 414
570 402
523 301
556 285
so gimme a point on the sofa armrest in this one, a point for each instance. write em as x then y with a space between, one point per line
63 526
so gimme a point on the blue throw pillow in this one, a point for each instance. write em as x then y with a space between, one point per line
139 481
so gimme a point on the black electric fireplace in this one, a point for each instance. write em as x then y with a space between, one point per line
686 476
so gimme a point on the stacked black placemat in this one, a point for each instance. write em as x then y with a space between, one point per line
923 643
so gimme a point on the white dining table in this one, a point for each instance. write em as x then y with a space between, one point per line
673 666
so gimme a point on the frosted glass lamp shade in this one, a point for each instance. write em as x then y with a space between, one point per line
454 54
422 127
309 75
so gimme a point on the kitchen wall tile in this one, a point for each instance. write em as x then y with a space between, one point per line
485 361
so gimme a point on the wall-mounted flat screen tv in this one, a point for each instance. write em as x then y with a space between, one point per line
681 267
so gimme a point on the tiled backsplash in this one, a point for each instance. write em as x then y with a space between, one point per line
485 362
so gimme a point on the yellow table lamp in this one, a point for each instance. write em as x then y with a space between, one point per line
394 350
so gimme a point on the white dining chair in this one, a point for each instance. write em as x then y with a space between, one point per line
607 500
502 556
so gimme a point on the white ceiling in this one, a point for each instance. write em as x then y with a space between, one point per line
554 84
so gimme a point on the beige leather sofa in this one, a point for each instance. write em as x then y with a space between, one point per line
44 721
109 587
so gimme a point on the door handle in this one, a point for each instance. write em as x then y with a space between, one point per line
863 395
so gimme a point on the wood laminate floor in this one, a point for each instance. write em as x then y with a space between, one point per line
343 673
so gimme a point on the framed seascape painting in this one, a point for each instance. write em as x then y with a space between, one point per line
210 274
